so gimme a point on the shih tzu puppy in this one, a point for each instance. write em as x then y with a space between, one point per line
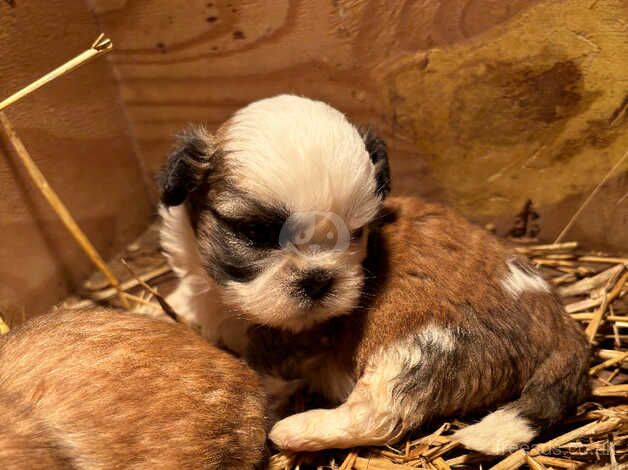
98 389
267 223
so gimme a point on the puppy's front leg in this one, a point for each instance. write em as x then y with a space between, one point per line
366 418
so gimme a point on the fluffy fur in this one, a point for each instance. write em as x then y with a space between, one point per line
372 410
276 147
499 433
429 316
439 334
248 233
100 389
522 278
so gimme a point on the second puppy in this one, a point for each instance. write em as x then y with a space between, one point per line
99 389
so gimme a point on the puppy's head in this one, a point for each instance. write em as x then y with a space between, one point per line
280 200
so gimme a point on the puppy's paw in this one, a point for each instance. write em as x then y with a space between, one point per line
297 433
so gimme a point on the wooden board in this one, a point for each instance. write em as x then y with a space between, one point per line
186 61
75 130
464 91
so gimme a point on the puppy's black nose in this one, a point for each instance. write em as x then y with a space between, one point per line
316 284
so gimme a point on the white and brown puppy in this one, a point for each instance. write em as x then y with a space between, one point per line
266 222
272 227
100 389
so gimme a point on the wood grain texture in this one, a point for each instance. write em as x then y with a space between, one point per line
75 130
534 109
466 92
185 61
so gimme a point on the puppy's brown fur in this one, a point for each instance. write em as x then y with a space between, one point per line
440 269
439 333
102 389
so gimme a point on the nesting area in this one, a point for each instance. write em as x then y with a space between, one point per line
483 104
593 288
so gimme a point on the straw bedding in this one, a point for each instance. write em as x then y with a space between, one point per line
593 288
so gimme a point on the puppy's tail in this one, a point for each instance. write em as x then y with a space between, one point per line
556 387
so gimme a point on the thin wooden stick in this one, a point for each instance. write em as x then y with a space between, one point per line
591 330
557 462
534 465
603 259
596 320
440 464
587 284
549 247
349 461
611 391
106 294
4 328
586 202
168 310
55 202
609 362
139 300
101 45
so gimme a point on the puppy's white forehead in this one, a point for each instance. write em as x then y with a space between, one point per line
302 154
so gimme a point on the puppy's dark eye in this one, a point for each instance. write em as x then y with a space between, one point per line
260 234
357 233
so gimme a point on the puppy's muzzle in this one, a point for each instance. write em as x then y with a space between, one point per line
316 284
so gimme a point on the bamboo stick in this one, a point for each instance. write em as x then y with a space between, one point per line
57 205
101 45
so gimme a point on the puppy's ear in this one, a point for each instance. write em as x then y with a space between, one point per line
187 166
376 148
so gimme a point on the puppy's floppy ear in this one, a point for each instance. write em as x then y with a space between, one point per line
187 166
376 148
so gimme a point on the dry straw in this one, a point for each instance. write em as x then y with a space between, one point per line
101 46
595 436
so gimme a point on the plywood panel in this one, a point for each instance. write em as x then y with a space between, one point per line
76 132
462 90
534 110
183 61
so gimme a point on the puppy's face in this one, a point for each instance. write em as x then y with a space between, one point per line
280 200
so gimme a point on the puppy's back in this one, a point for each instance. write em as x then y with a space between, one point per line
104 389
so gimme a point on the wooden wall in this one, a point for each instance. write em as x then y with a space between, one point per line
75 130
484 103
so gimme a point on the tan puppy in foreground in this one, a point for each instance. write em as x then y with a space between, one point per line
99 389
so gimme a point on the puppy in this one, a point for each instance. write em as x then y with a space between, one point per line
266 220
266 223
102 389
